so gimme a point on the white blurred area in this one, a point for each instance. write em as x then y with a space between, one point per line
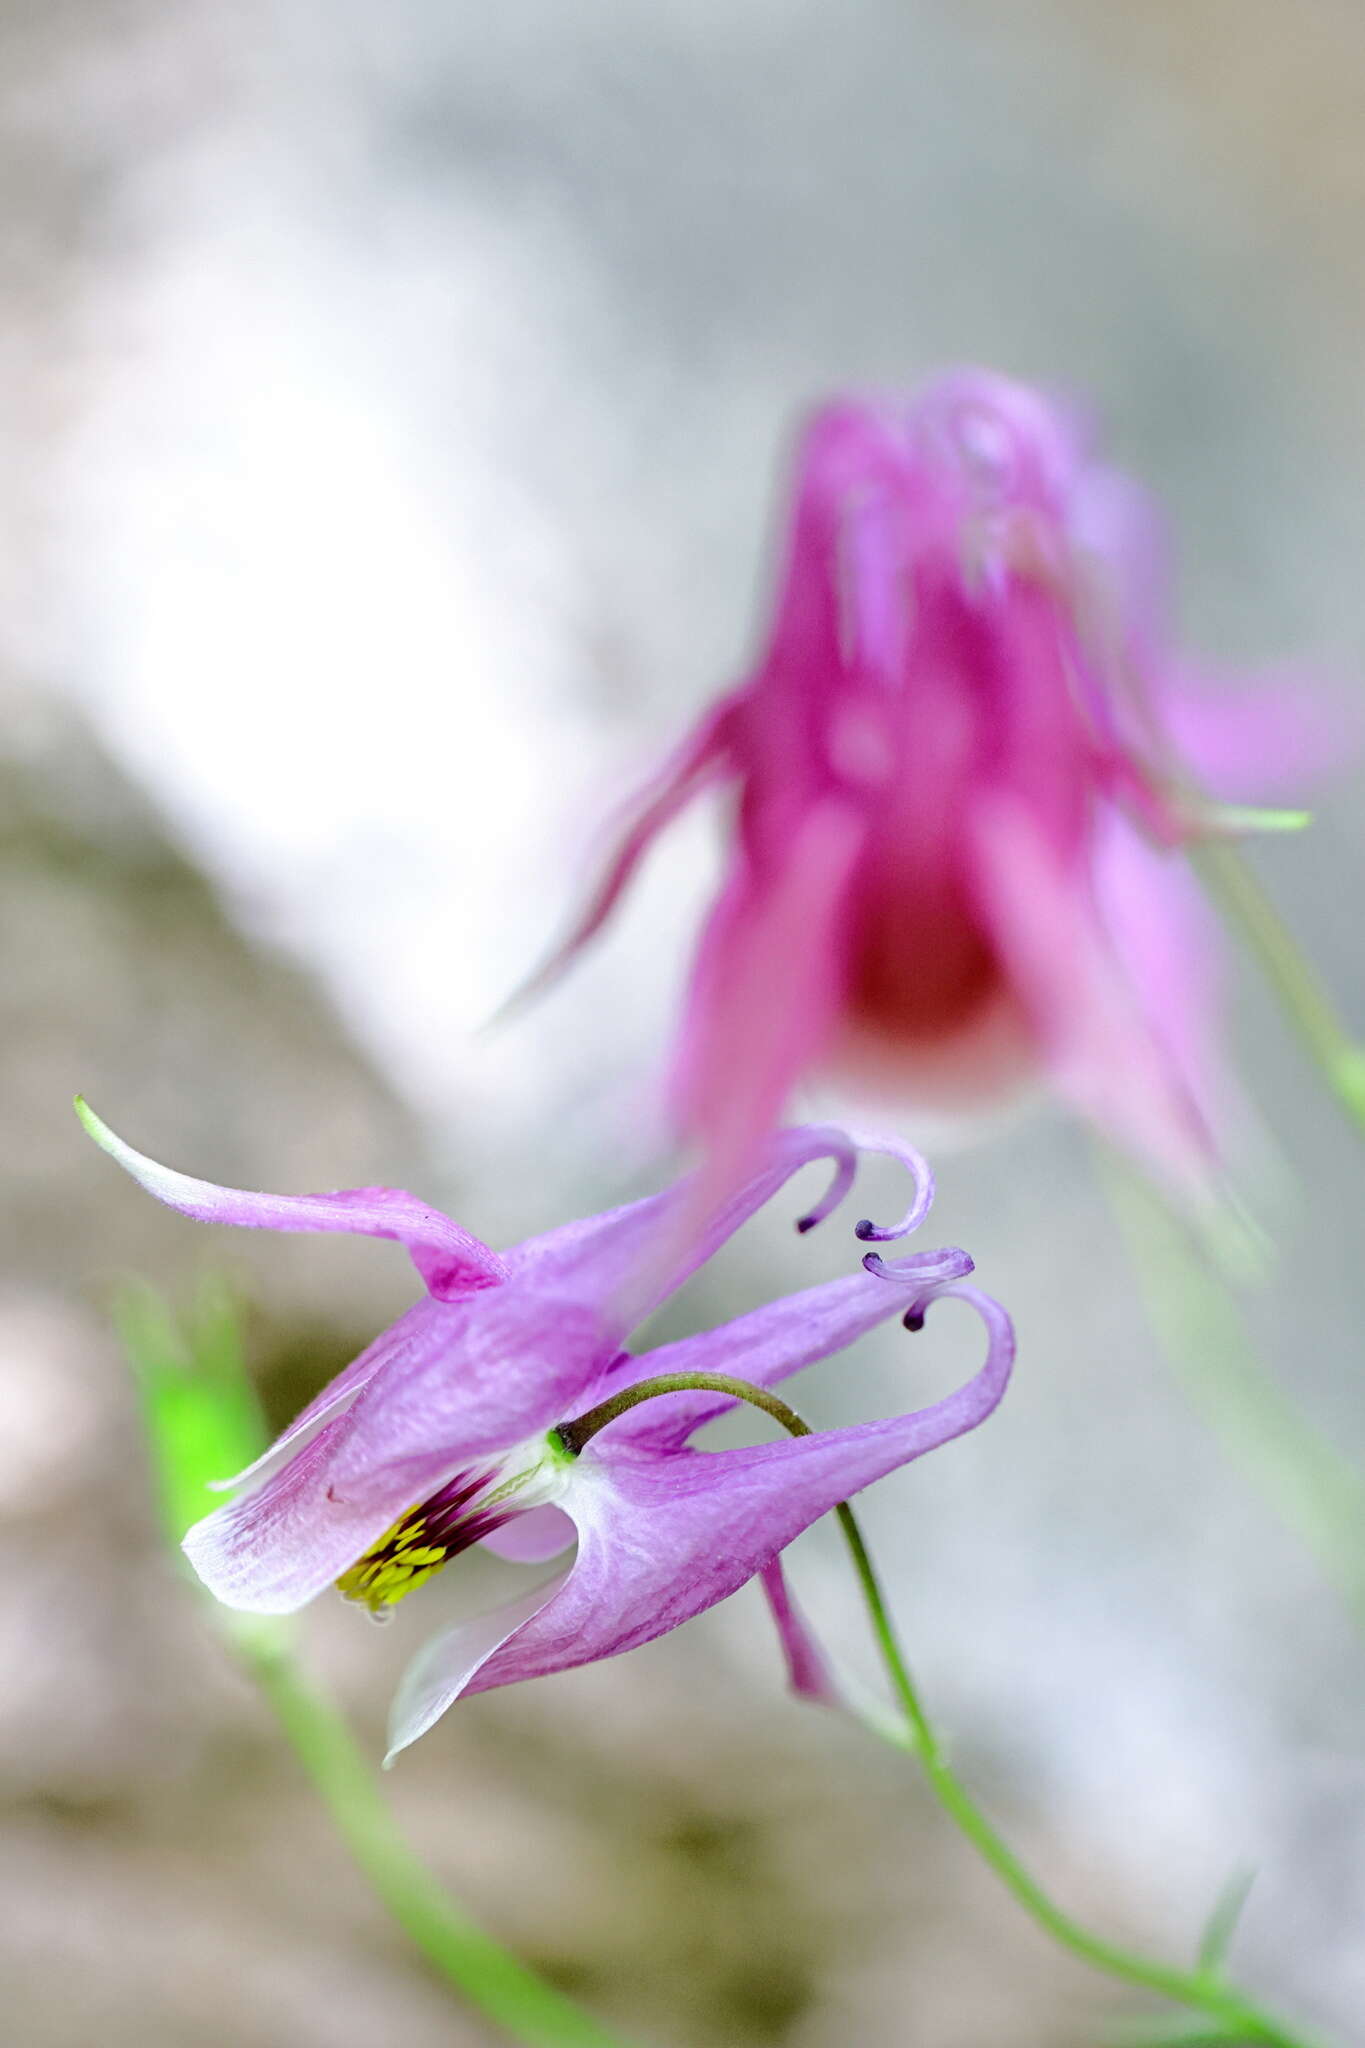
395 446
325 595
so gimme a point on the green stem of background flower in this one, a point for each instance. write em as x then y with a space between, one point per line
1202 1990
1316 1490
1232 883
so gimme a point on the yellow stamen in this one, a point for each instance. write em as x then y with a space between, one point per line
391 1568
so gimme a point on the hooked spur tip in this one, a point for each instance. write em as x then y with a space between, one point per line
925 1270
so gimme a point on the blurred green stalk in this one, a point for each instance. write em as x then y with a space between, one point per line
488 1975
1340 1057
1202 1330
203 1423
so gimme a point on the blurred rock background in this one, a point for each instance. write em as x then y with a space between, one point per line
391 401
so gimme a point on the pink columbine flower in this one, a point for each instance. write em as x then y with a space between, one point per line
963 763
445 1432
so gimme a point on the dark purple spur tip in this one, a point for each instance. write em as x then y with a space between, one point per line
913 1319
805 1223
923 1180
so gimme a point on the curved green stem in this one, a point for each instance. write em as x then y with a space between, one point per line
1201 1990
573 1435
1340 1057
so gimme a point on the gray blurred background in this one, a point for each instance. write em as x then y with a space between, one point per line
391 400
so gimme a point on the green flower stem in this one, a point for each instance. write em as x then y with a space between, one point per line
1233 885
489 1976
1202 1990
1316 1490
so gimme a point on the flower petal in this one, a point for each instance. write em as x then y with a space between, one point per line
807 1666
271 1551
1100 1043
420 1331
1259 740
441 1671
770 1343
507 1364
628 1260
699 760
449 1259
766 989
664 1535
533 1537
1166 941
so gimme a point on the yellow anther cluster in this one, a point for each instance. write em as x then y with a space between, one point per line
393 1566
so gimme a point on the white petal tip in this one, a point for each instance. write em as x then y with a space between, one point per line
144 1170
93 1126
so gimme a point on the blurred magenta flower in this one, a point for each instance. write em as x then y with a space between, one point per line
445 1432
963 763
